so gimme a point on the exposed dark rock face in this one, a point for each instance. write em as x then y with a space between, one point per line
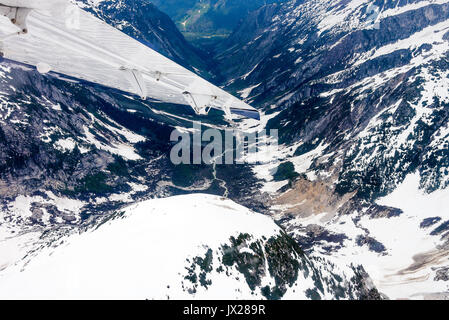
281 259
367 291
442 274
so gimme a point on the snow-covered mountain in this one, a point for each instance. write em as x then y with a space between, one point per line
359 91
194 246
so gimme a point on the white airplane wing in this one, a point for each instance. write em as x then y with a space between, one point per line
57 36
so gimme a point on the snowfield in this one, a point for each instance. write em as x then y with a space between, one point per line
139 256
144 253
